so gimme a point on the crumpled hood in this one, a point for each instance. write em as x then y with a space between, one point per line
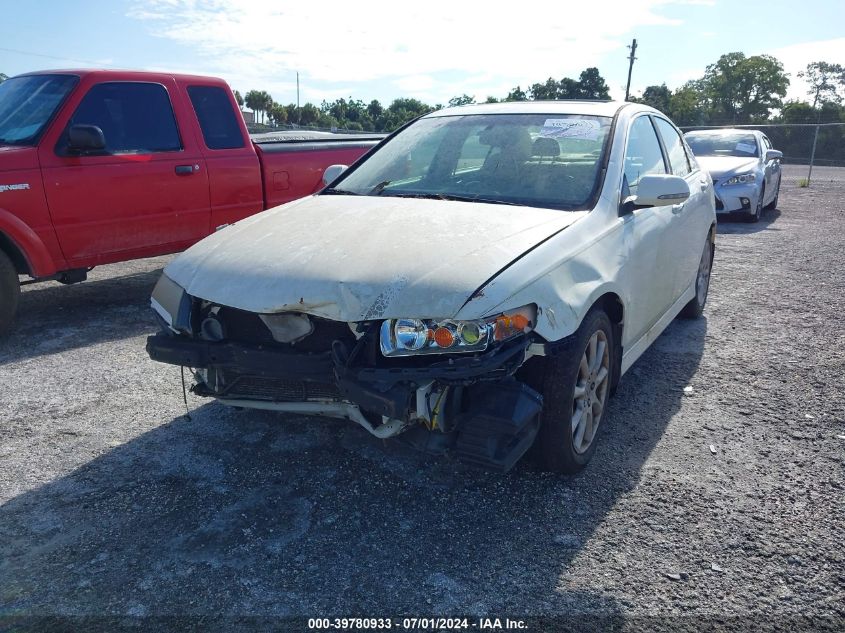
355 258
722 166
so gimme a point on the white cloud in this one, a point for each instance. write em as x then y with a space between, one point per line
796 57
255 43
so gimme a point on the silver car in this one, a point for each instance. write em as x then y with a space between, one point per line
746 171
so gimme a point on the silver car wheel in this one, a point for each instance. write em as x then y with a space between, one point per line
591 389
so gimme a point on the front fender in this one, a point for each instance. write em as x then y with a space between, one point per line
564 277
26 240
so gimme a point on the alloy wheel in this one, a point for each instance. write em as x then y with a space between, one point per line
591 389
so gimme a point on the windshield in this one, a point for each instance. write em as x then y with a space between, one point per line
736 144
541 160
28 103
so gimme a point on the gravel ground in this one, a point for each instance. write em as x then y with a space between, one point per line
716 507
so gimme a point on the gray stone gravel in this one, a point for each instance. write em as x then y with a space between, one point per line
114 503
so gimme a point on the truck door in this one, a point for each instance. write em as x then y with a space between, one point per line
145 193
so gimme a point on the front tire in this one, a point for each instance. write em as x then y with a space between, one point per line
576 388
695 308
774 203
758 210
10 290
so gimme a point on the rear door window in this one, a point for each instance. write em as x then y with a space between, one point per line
135 117
220 128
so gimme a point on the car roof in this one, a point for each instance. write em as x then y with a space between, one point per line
721 131
595 108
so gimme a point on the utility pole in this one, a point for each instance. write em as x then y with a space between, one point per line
631 59
297 89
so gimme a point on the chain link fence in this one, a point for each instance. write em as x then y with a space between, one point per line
810 150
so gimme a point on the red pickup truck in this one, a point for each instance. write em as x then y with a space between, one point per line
100 166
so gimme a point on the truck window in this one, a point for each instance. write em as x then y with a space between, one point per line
220 128
135 117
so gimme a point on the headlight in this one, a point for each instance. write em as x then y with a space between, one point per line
741 179
407 337
172 304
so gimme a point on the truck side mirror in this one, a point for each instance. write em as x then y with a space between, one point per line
85 138
332 172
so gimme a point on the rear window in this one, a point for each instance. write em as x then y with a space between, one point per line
220 128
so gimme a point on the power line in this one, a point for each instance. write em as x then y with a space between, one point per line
62 59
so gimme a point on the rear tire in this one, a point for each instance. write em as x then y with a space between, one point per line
10 290
695 308
576 388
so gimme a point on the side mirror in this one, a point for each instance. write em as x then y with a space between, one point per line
657 190
332 172
773 154
85 138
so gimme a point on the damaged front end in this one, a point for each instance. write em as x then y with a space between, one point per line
441 384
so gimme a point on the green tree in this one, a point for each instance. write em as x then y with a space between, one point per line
591 85
547 91
277 114
517 94
462 100
239 99
375 109
309 114
491 100
658 97
742 89
259 101
687 105
825 80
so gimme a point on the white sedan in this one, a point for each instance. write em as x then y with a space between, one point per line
745 169
480 281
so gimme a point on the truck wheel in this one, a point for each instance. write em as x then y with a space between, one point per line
10 290
576 388
695 307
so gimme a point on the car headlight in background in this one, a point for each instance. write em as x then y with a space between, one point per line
741 179
407 337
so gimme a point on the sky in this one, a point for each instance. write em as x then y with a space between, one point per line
430 50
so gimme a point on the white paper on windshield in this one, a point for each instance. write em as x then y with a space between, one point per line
748 148
571 128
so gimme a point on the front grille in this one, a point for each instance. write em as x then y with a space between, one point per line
280 389
247 327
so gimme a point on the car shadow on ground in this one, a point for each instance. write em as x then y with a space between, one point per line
735 224
53 318
229 513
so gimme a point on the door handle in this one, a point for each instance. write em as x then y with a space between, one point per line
677 208
186 170
703 184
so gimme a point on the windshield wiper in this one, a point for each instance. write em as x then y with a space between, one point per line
376 191
457 198
339 192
